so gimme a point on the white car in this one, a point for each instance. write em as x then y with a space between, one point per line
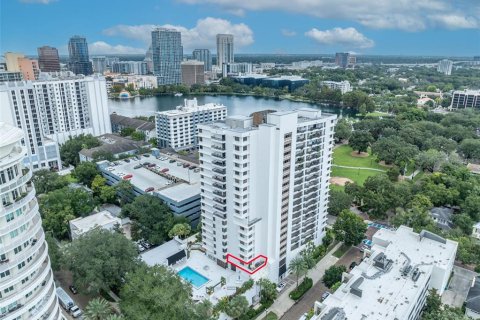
281 286
75 311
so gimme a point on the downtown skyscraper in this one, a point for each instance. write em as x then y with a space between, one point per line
167 54
48 59
204 56
78 52
224 49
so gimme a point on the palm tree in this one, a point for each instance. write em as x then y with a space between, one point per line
98 309
114 317
298 266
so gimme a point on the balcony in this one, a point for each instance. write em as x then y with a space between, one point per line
220 193
220 171
218 163
220 215
220 208
21 180
217 147
217 137
220 179
219 186
219 155
220 201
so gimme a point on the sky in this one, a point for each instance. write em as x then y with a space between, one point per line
378 27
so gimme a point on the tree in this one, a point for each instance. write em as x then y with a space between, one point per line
268 291
430 160
126 132
46 181
97 183
360 140
152 219
53 251
349 228
124 190
138 136
100 155
151 293
339 201
107 194
70 149
298 267
333 275
393 173
237 307
97 309
470 148
471 206
85 172
394 150
180 230
464 222
415 218
433 303
100 259
343 130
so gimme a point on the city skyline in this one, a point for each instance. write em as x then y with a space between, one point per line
293 28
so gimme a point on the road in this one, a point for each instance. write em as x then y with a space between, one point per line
308 300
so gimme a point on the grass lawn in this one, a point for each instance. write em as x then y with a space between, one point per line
341 251
342 157
271 316
357 175
71 179
337 187
377 114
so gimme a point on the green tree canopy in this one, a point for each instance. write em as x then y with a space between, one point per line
85 172
338 201
343 130
470 148
70 149
97 309
360 140
151 218
349 228
237 307
46 181
100 259
298 266
152 293
180 230
333 275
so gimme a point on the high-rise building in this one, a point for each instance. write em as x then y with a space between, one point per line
343 86
205 56
167 53
79 60
224 49
445 66
26 283
265 188
465 99
193 72
394 278
99 64
130 67
6 76
51 110
178 128
345 60
236 68
48 59
149 60
17 62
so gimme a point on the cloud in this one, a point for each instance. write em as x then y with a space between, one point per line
409 15
101 47
348 38
38 1
202 35
288 33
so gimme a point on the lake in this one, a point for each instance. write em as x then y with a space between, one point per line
236 105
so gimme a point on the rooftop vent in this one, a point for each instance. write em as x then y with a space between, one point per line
355 287
415 274
381 262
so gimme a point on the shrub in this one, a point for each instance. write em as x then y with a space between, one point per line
306 284
245 287
336 286
333 275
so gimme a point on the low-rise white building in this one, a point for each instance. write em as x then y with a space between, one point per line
476 231
393 280
177 128
102 219
343 86
465 99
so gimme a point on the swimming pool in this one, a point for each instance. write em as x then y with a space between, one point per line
192 276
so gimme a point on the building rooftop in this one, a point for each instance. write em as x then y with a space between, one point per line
90 222
115 144
381 287
137 124
144 178
473 298
160 254
190 106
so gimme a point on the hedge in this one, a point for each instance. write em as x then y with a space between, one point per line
306 284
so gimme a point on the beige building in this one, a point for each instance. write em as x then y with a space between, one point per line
193 72
17 62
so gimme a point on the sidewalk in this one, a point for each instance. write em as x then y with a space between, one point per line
283 301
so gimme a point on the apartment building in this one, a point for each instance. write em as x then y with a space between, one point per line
393 280
193 72
52 110
465 99
27 290
167 54
343 86
445 66
225 53
178 128
265 188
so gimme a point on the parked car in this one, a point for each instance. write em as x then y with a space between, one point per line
281 286
140 247
186 165
73 289
151 165
192 168
179 164
126 160
127 176
138 166
171 161
165 170
149 189
146 163
75 311
353 265
146 155
325 295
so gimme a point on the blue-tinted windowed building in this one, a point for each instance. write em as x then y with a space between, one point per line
167 54
78 52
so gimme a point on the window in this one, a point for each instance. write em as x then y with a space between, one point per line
4 274
9 217
21 265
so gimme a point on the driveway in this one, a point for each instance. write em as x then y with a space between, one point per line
308 300
457 290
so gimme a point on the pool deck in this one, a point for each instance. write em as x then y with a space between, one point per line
199 262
